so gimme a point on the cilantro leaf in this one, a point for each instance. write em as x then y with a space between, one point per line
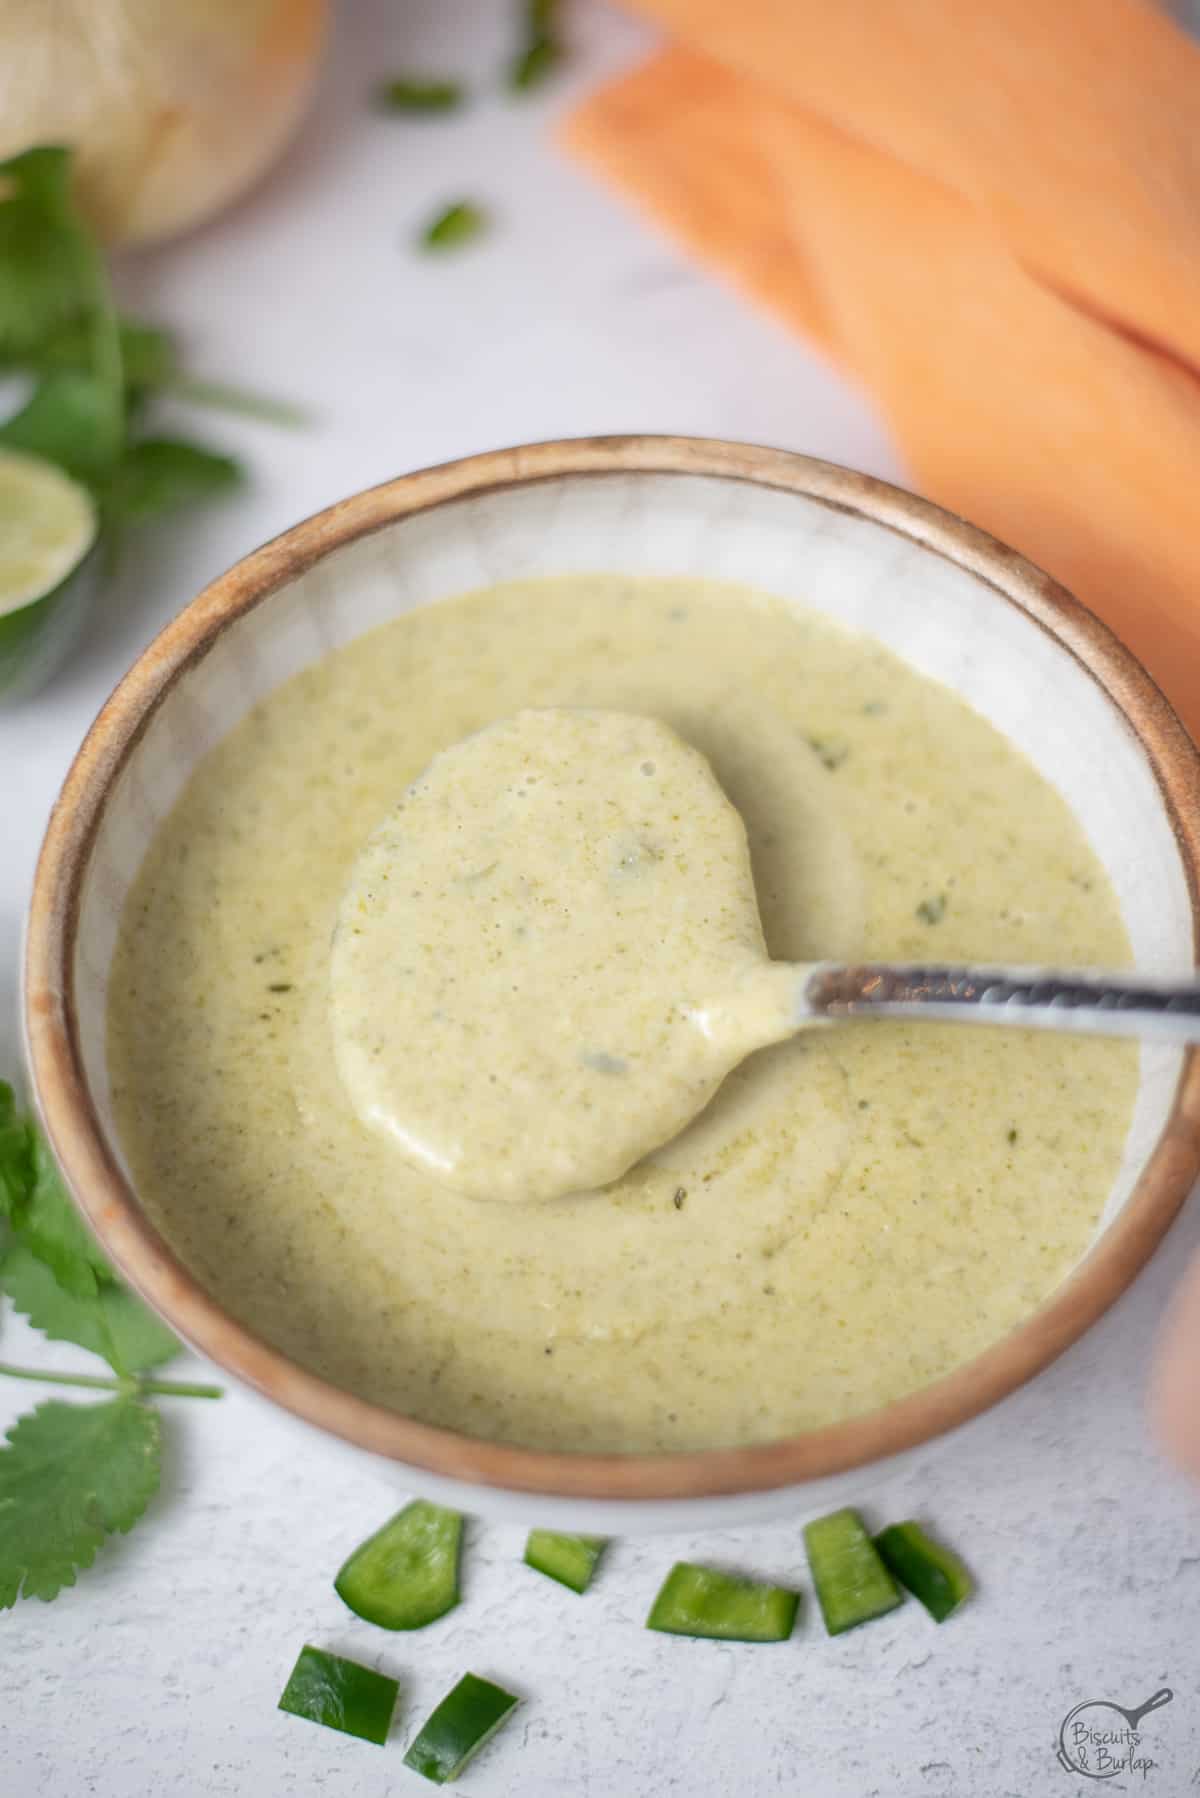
541 51
418 93
151 364
149 358
454 225
69 1476
159 473
534 64
16 1156
112 1323
51 1227
66 421
47 256
36 1203
54 277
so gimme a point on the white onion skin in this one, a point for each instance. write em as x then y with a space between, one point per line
174 107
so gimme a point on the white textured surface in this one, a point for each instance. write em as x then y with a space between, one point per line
160 1673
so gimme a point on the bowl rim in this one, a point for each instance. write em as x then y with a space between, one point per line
107 1200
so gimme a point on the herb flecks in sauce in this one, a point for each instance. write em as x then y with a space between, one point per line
829 752
253 1165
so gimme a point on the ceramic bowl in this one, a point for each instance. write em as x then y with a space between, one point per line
951 601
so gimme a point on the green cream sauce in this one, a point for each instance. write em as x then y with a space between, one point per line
549 956
856 1211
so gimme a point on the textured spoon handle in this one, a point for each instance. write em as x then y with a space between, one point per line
1031 998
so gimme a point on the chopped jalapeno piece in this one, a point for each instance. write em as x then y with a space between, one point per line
341 1694
454 1733
571 1560
853 1585
696 1601
932 1573
406 1574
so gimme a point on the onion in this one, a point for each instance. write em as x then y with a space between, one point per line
173 106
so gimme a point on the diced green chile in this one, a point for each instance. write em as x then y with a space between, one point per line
340 1694
698 1601
853 1585
571 1560
454 1733
931 1573
406 1574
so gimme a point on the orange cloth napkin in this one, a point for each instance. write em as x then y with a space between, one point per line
989 215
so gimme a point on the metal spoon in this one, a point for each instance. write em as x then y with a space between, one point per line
549 956
1087 1001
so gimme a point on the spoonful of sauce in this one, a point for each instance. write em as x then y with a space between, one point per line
549 955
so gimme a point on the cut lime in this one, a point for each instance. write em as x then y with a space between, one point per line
48 532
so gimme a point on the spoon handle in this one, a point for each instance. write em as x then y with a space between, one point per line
1088 1001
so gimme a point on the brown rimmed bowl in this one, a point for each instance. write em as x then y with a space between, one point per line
951 601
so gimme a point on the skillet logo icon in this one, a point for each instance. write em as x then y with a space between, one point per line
1101 1739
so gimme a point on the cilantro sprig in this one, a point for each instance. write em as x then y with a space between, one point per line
71 1474
36 1204
110 1322
95 373
52 276
152 364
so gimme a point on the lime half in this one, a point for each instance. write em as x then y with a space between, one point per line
48 533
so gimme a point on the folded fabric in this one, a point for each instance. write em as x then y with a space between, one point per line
989 216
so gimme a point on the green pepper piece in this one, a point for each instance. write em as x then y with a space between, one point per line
406 1574
571 1560
697 1601
853 1585
340 1694
932 1573
454 1733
